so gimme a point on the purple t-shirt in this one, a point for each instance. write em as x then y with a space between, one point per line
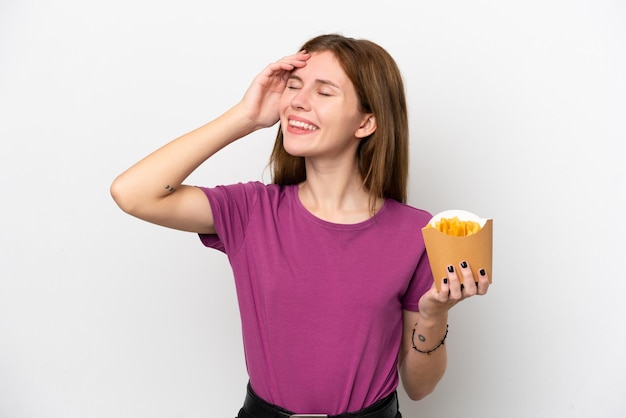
321 303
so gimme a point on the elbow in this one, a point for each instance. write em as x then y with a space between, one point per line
417 385
122 196
419 394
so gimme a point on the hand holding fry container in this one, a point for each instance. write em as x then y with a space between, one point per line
454 236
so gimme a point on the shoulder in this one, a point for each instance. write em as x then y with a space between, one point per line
271 192
402 213
250 188
252 193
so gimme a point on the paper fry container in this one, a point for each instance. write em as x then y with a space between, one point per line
444 250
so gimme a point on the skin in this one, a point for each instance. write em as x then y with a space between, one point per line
420 373
321 120
317 106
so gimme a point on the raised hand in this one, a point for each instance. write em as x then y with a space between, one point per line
260 102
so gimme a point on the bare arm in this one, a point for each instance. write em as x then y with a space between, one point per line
152 189
421 372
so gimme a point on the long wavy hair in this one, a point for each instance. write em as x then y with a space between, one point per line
382 157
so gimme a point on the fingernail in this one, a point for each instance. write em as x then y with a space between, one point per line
445 280
451 269
482 272
464 264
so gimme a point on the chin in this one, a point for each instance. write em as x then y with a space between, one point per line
293 150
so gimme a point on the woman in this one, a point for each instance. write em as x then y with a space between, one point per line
332 278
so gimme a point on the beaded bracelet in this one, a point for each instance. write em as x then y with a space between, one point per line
431 350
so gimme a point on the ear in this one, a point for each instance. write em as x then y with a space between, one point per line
368 126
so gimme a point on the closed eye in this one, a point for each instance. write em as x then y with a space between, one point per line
294 83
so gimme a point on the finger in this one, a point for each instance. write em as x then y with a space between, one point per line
303 55
468 286
293 61
444 290
284 66
483 282
454 283
300 55
279 67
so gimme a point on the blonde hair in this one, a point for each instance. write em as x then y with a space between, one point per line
382 157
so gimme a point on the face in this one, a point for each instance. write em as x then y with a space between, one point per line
319 111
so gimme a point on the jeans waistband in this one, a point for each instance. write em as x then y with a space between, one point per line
258 408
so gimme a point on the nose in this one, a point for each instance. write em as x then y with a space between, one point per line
300 100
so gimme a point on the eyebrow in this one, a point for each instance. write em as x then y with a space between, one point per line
317 81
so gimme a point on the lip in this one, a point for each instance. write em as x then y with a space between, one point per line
300 125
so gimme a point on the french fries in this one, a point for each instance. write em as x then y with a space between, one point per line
456 227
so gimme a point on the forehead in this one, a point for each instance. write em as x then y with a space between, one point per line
323 66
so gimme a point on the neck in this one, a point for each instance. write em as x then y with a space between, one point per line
336 193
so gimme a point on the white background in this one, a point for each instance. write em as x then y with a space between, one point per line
517 112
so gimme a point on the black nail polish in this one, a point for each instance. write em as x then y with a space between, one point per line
445 280
482 272
464 264
451 269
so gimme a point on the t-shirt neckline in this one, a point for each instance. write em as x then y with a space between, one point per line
293 192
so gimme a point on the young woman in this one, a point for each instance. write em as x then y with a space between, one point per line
334 287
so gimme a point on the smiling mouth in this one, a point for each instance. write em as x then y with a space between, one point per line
302 125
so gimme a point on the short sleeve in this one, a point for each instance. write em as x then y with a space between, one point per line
421 283
231 206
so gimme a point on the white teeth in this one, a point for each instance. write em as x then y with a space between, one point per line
301 125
